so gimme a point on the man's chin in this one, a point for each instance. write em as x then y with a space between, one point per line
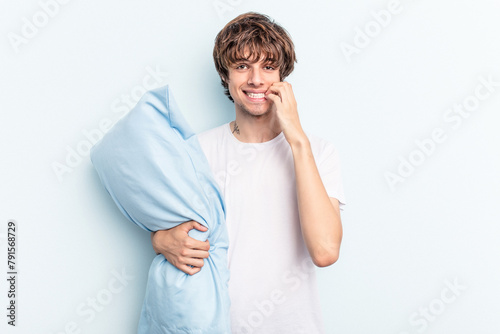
256 112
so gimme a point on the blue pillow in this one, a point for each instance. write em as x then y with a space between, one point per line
153 167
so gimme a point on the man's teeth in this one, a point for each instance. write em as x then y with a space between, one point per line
256 96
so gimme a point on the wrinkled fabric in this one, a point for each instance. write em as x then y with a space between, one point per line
151 164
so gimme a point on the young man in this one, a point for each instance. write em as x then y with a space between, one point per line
282 188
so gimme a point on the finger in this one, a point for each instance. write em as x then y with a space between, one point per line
190 270
192 243
289 91
286 93
202 245
191 224
194 262
190 251
199 226
285 89
184 267
278 91
274 89
273 97
195 253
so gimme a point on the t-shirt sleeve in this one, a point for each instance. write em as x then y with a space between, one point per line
328 163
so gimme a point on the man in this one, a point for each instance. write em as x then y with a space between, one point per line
282 188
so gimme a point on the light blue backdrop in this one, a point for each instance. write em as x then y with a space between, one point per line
408 91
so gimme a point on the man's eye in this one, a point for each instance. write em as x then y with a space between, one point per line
269 67
241 67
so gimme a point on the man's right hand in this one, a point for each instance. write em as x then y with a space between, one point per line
180 249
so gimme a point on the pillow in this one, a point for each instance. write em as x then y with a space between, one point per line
153 167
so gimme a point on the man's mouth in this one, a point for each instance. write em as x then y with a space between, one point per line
256 95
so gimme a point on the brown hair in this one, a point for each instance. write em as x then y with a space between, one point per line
261 37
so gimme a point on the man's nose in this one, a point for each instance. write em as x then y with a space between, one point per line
255 77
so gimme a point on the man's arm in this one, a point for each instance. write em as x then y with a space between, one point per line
184 252
319 214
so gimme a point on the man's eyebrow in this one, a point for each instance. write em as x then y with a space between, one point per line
241 59
268 60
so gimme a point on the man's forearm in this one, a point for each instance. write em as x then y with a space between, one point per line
319 216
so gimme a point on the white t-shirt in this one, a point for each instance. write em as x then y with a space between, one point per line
272 278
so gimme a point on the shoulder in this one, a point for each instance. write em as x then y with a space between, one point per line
212 139
213 133
212 136
321 147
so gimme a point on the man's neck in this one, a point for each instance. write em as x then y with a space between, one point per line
253 129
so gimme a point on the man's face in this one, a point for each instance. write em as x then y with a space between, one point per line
248 81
